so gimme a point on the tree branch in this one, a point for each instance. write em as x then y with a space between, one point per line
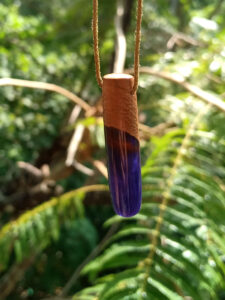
30 172
101 167
121 45
14 275
216 9
158 130
179 79
45 86
180 39
74 144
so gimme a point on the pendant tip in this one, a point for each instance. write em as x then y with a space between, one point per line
128 214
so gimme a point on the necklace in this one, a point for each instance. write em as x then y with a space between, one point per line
120 115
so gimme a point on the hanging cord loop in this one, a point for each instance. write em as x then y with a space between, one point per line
137 44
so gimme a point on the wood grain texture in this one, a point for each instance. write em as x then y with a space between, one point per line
119 105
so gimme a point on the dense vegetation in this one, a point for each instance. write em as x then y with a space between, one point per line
58 233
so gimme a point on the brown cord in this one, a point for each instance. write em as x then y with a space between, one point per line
137 44
95 39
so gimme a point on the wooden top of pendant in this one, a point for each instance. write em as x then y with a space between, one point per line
119 105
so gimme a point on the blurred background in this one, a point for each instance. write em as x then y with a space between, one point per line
59 237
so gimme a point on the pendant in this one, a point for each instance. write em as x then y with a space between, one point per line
122 143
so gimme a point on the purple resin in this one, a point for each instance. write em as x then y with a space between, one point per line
124 168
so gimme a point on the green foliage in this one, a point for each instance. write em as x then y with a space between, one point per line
173 249
53 267
33 48
35 229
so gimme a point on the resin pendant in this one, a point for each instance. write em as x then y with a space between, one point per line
122 143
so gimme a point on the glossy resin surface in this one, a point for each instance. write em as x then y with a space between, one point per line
124 168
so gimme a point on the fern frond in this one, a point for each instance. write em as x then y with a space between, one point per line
37 227
161 249
167 193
